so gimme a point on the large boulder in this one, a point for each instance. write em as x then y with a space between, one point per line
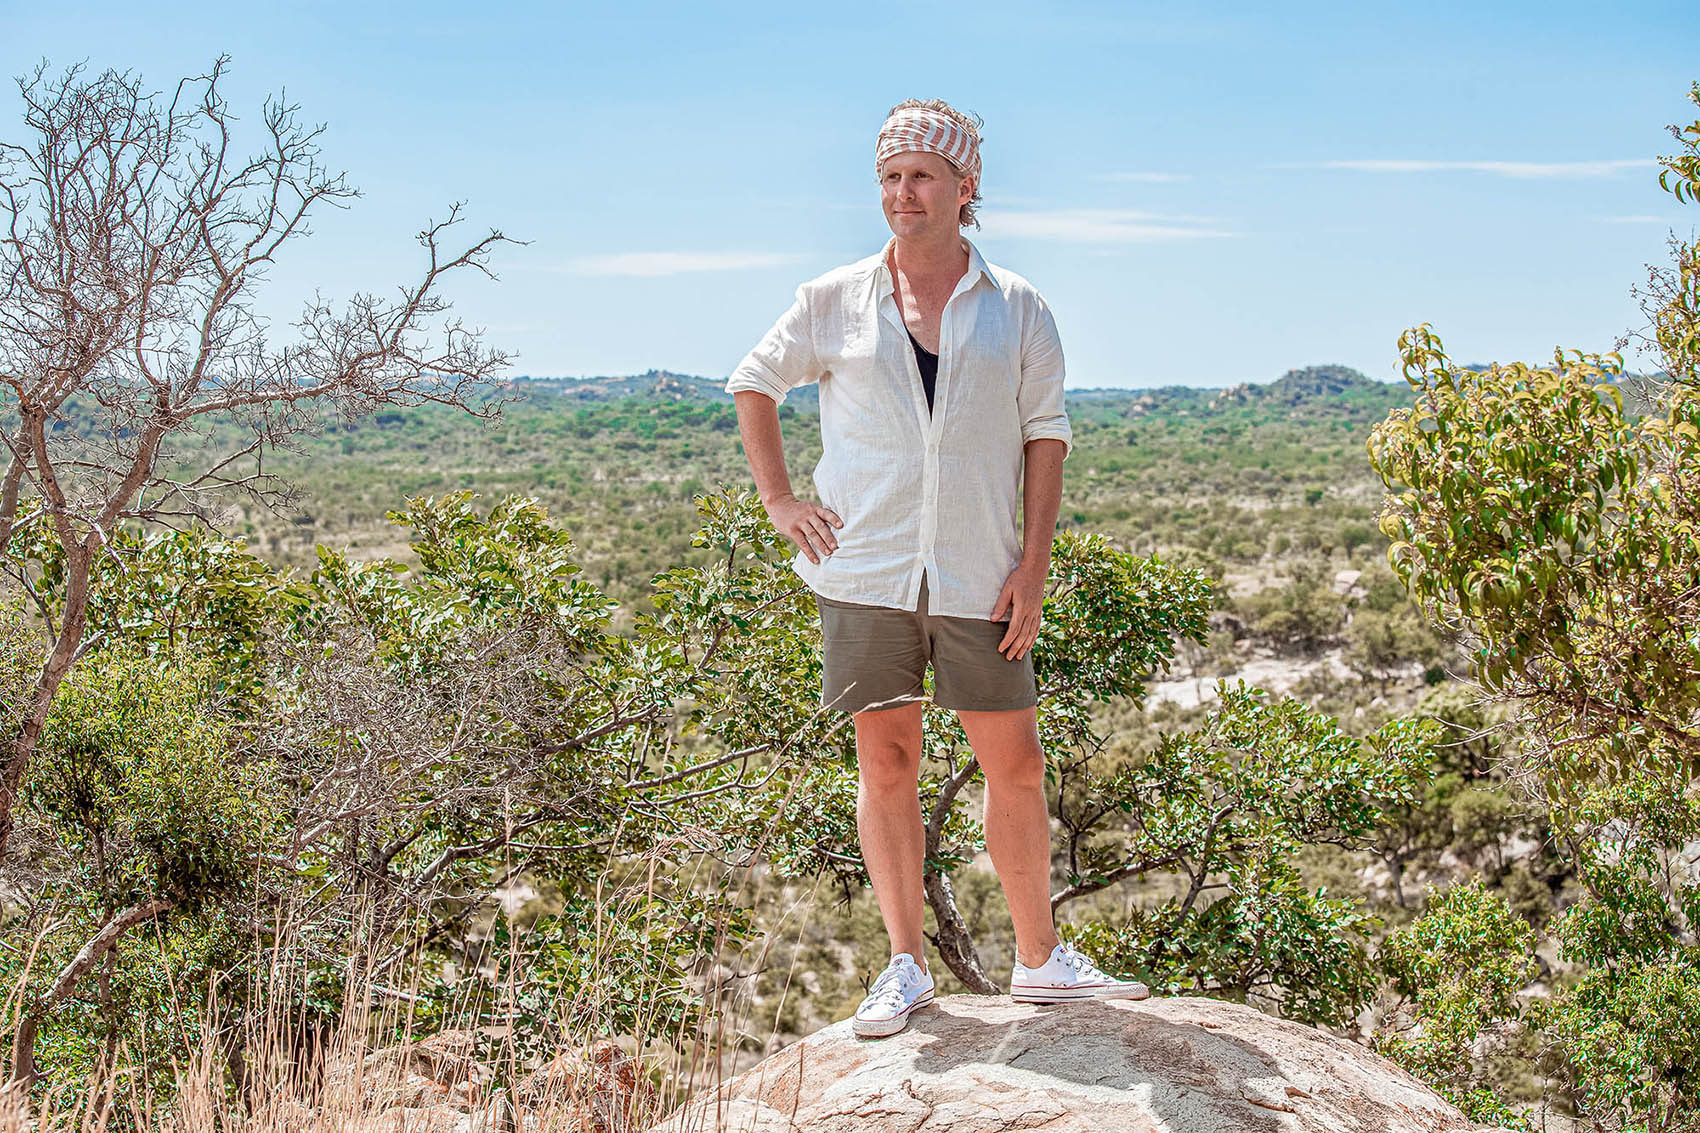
974 1064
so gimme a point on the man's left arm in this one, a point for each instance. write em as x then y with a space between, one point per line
1024 590
1046 442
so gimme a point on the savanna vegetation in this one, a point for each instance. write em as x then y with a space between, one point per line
351 690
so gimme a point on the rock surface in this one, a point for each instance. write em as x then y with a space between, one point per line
974 1064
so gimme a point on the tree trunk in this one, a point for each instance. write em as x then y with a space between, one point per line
1396 874
954 942
71 628
236 1058
24 1070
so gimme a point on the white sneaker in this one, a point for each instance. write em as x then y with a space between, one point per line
896 992
1068 976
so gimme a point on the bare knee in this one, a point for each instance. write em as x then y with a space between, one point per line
888 765
1015 771
1008 748
888 756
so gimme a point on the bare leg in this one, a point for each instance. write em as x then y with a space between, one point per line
888 820
1018 825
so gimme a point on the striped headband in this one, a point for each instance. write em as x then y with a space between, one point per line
917 128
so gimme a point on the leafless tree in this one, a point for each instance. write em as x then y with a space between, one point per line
133 235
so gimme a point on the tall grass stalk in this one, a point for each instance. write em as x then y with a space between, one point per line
257 1062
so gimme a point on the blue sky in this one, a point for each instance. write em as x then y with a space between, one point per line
1206 193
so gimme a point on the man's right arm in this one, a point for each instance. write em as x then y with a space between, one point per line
805 524
784 359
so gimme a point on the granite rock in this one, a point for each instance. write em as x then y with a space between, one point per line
975 1064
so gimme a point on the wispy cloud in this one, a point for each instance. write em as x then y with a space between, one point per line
1100 226
1527 170
1145 178
676 263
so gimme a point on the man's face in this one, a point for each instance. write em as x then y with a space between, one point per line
921 195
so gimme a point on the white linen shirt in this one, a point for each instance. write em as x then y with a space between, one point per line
918 492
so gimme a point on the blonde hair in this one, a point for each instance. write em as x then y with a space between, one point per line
971 123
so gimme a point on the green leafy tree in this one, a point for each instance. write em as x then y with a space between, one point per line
1557 533
1304 614
160 590
1380 643
477 720
1625 1036
151 818
1464 805
1227 807
428 737
1459 967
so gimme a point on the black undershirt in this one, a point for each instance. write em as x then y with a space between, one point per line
929 364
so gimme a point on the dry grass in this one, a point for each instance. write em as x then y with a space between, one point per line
262 1070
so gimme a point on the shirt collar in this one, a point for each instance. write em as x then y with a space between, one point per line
977 266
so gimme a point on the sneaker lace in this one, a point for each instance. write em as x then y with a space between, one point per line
1080 963
888 986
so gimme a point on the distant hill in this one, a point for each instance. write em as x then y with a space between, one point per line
1314 382
661 385
1308 385
1294 388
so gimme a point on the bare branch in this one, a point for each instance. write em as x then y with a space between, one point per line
134 234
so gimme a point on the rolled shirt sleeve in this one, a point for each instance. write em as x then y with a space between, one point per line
784 358
1039 397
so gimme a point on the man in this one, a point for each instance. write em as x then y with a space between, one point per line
941 390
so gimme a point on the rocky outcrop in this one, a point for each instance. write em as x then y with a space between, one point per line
973 1064
1321 383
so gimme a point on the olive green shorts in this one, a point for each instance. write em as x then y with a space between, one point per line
875 657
